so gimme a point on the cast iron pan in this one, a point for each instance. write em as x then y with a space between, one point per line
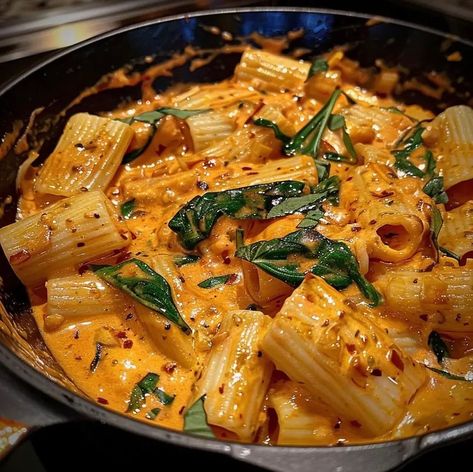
56 82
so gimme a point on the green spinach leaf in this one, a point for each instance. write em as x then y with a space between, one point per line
141 282
438 346
195 420
319 65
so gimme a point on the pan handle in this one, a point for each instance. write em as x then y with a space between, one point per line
24 409
375 457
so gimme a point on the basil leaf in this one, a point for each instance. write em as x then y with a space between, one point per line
142 283
401 155
334 261
449 253
195 220
325 190
434 188
153 118
152 414
97 357
185 259
270 124
335 157
195 420
146 385
319 65
311 219
212 282
132 155
450 376
435 226
127 208
323 169
438 346
148 382
323 117
430 164
336 122
163 397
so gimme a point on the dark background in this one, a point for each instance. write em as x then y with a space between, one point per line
92 446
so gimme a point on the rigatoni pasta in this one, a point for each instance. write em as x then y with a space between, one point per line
278 258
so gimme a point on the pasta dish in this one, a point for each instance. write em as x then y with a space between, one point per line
281 257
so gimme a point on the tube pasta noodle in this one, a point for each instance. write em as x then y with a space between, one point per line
344 361
456 233
286 252
394 225
206 128
454 144
87 155
443 296
82 296
63 236
266 71
236 375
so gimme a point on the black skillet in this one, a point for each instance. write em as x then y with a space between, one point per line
56 82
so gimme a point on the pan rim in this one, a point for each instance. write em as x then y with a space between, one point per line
14 364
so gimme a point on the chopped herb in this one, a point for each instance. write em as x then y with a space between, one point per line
450 376
326 190
319 65
434 188
215 281
153 118
449 253
335 123
148 382
438 346
163 397
350 100
141 282
137 399
195 420
239 236
323 169
127 208
152 414
97 358
401 155
311 219
185 259
272 125
195 220
334 261
397 111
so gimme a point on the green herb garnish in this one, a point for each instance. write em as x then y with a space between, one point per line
153 413
438 346
195 220
435 226
163 397
311 219
272 125
141 282
195 420
333 261
319 65
153 118
97 357
145 386
449 375
127 208
185 259
212 282
449 253
327 190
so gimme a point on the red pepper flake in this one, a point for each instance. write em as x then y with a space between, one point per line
76 335
183 407
396 360
232 279
129 316
128 344
19 257
202 185
337 424
169 367
103 401
121 335
376 372
355 424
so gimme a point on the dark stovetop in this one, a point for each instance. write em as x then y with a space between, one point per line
93 446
